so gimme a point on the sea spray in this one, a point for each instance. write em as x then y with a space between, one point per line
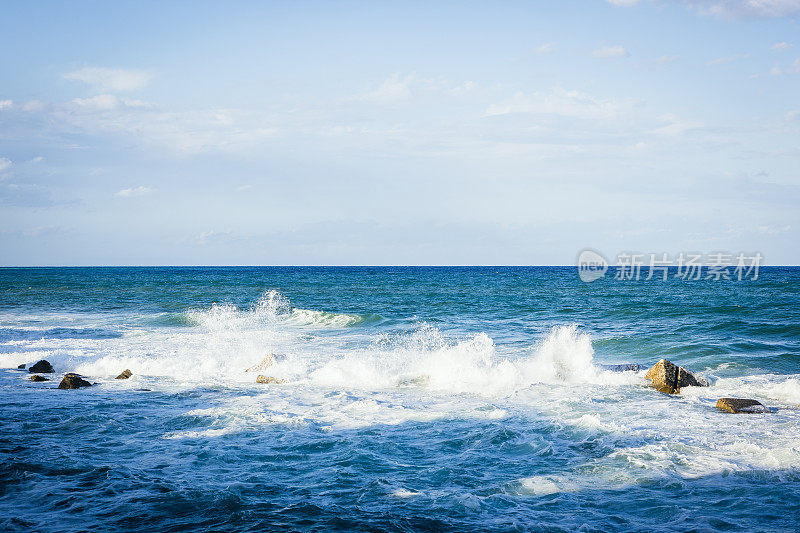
226 340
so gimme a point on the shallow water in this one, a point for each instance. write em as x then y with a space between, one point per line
412 399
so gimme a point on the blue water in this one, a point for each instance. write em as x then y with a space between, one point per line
433 399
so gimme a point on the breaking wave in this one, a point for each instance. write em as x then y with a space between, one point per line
227 340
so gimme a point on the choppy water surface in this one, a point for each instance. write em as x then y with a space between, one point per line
463 399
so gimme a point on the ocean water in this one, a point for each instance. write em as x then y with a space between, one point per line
410 399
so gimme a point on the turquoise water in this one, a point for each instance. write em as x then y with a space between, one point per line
443 399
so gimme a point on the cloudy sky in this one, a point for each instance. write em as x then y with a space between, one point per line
397 133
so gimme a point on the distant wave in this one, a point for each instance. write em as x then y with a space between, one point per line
32 333
275 308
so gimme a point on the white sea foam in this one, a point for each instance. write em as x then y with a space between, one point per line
227 340
199 434
544 485
404 493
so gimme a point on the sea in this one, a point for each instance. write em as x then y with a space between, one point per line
399 399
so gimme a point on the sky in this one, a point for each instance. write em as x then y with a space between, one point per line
397 133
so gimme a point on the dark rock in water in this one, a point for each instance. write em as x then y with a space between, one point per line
740 405
37 377
73 381
125 374
268 379
42 367
669 378
633 367
21 367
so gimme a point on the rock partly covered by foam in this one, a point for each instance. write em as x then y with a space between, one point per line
21 367
268 379
73 381
740 405
268 361
41 367
669 378
125 374
37 377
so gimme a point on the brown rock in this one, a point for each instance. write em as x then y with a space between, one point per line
42 367
268 379
669 378
125 374
37 377
73 381
740 405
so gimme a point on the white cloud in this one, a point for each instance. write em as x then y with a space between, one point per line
773 230
133 192
32 106
184 131
206 236
727 59
107 102
610 51
674 126
464 88
111 79
5 104
557 102
242 188
545 48
780 47
399 88
4 163
392 89
794 68
746 8
731 8
665 59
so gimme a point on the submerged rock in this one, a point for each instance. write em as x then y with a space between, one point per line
37 377
631 367
268 379
125 374
261 365
740 405
42 367
669 378
73 381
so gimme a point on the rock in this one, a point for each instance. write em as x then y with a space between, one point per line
21 367
37 377
261 365
42 367
73 381
631 367
268 379
740 405
670 378
125 374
